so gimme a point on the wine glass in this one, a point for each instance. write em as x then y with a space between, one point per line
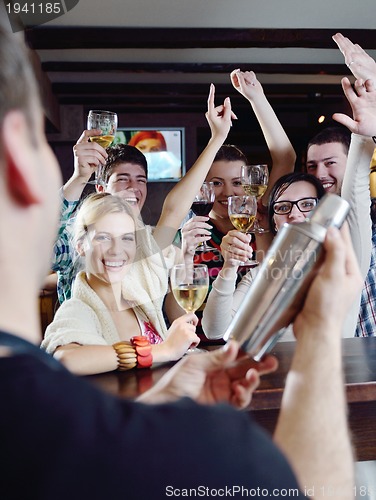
202 205
190 284
106 121
242 212
254 179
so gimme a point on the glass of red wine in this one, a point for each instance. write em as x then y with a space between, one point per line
202 205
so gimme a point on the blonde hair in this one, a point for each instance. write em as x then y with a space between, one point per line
96 206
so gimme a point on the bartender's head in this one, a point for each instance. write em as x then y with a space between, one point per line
30 176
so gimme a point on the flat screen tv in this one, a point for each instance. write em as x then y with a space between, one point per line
163 148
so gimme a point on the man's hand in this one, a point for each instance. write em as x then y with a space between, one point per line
333 289
363 104
211 378
88 155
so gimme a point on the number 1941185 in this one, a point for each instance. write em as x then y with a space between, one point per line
34 8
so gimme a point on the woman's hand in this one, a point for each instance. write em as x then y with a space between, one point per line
219 117
357 60
235 248
194 232
180 337
247 84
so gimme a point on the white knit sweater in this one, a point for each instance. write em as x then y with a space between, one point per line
85 319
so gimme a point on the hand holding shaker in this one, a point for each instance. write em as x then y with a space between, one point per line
279 289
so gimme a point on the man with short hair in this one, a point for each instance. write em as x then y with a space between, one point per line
327 157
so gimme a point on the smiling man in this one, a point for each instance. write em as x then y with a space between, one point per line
327 157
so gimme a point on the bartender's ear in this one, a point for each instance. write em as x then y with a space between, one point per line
20 160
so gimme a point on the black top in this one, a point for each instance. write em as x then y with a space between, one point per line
61 438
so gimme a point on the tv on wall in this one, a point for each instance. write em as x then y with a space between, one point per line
163 148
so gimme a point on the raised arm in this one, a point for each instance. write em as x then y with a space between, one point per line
180 198
87 157
357 60
280 148
312 428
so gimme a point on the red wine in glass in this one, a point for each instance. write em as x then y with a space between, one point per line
202 207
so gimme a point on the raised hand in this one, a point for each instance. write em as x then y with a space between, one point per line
356 59
88 155
219 117
363 104
247 84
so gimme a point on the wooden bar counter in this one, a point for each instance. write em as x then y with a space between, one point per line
359 355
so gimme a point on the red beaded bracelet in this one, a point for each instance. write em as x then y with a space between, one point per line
143 350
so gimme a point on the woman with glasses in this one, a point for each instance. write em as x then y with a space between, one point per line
292 198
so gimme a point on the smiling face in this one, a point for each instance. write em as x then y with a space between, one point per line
109 248
225 176
327 162
128 180
296 191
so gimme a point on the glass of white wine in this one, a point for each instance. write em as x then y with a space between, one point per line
107 122
242 212
190 284
254 179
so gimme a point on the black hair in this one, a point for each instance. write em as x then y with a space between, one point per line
283 183
123 153
332 134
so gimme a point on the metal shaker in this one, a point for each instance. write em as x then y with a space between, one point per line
279 289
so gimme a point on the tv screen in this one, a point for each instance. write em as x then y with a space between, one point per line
163 148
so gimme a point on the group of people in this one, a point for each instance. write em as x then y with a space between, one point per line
62 438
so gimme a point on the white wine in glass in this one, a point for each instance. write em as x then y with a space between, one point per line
190 284
254 179
107 122
242 213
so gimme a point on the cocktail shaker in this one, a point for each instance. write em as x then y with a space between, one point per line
278 291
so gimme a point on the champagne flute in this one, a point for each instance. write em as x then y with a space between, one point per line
254 179
190 285
202 205
107 122
242 212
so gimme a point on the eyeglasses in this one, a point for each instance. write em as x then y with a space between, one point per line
285 207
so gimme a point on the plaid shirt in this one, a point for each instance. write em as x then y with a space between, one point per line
63 255
367 316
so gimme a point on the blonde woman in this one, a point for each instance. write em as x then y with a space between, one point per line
94 331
